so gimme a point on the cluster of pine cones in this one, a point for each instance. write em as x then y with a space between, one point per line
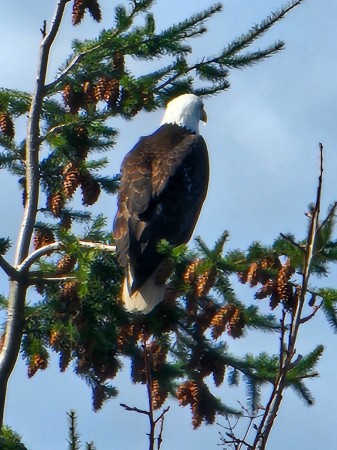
275 279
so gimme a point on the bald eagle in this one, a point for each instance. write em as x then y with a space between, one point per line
164 181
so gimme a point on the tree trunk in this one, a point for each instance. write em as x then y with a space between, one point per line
11 347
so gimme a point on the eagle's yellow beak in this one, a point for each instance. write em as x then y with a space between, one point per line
203 117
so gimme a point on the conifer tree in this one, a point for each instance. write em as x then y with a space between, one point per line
76 311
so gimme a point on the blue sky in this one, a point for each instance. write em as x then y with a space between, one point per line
263 137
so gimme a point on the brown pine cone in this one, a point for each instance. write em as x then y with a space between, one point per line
7 125
78 11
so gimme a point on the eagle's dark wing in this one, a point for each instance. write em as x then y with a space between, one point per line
163 186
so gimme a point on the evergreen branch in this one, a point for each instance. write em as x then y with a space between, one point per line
329 217
329 297
258 30
292 241
303 392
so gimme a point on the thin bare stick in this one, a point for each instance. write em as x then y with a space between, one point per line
313 314
134 409
161 418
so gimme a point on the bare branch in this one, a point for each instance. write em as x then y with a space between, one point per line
9 269
55 246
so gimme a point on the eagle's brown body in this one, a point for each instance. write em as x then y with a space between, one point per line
163 186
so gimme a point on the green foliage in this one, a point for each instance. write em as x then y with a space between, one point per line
74 438
9 440
329 306
5 245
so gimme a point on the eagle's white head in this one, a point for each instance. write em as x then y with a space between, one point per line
186 111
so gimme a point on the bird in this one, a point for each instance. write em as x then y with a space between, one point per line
163 185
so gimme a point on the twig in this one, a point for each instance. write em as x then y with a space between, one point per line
44 29
134 409
310 316
161 418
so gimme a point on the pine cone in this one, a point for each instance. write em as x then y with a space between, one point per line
118 61
89 91
284 288
73 99
55 203
65 357
187 393
205 317
70 290
109 371
65 264
42 237
126 338
101 88
2 340
82 142
78 11
36 362
90 189
219 374
71 179
67 95
266 290
236 324
94 10
221 319
112 93
159 395
54 339
98 397
202 282
66 221
7 125
158 356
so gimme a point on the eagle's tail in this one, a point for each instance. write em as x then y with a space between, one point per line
150 293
